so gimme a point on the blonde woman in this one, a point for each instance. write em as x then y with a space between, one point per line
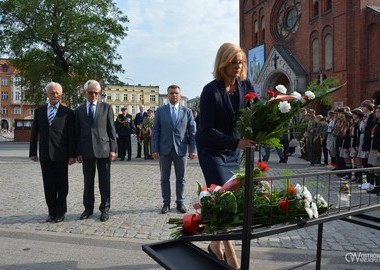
218 145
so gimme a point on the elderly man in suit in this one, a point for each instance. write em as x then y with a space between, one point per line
53 128
172 124
97 147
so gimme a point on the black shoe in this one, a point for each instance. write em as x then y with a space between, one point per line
121 159
138 157
165 209
59 218
104 217
181 208
129 159
86 214
374 190
50 219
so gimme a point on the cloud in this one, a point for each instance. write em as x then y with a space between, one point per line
175 42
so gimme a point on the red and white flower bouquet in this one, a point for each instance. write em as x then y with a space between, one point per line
267 120
219 209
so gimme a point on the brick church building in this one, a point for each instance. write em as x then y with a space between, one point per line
293 42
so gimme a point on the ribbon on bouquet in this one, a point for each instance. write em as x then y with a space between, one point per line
232 184
191 223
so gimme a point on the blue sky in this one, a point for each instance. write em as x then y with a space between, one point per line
175 42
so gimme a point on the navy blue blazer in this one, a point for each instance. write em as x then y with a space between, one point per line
218 117
165 135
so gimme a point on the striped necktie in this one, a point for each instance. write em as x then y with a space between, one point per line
51 114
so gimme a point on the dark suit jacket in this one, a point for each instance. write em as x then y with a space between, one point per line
57 141
218 117
95 139
138 118
124 125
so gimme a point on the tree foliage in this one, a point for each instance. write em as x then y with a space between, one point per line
325 86
66 41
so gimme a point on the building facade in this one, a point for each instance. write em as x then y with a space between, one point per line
131 96
12 106
293 42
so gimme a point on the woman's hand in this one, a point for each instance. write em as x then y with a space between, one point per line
244 143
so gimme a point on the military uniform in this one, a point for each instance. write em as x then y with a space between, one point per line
146 131
124 129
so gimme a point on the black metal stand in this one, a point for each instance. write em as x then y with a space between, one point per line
182 254
247 221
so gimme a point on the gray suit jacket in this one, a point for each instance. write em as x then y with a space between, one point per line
96 139
165 134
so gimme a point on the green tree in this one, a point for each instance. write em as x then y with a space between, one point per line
66 41
323 87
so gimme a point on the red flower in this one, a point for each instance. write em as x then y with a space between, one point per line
263 166
291 190
271 93
250 96
283 205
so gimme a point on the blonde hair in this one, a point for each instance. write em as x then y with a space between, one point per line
225 55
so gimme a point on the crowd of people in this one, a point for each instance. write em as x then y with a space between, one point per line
89 135
344 139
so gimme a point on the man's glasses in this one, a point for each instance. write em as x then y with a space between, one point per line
93 93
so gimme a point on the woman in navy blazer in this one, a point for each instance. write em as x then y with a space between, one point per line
217 142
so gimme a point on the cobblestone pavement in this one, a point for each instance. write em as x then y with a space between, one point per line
136 203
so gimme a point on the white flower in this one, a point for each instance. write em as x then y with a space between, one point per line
298 189
320 201
282 89
310 95
308 210
266 186
303 193
284 106
314 208
311 209
307 195
296 95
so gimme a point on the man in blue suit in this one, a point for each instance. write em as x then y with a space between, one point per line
173 124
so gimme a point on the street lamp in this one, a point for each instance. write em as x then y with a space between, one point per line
134 106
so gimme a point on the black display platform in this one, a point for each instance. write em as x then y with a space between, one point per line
181 255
